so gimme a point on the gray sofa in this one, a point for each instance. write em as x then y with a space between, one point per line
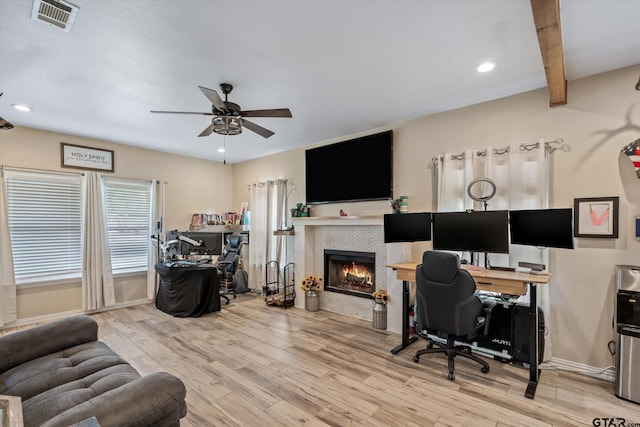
64 375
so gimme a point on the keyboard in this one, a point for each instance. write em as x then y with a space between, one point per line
470 267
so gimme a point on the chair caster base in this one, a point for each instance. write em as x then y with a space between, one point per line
451 376
416 359
484 369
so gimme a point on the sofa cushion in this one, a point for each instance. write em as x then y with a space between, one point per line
51 384
29 344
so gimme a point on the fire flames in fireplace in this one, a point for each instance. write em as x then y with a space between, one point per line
356 275
350 272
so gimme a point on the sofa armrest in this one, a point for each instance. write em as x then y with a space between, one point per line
157 399
23 346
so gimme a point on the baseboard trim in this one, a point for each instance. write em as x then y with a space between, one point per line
607 373
57 316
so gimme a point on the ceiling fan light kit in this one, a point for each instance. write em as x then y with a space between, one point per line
227 125
228 117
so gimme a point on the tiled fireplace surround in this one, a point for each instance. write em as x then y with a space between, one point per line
364 234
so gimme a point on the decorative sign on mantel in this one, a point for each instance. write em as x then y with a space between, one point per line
79 157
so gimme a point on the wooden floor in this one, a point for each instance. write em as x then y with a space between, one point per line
254 365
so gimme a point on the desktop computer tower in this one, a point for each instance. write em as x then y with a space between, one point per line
507 333
498 336
520 350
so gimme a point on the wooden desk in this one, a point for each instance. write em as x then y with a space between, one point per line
505 282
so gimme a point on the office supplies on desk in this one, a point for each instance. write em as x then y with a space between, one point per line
471 267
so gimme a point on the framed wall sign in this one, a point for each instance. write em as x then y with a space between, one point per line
88 158
596 217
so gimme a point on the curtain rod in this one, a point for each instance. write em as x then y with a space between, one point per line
551 146
21 169
263 183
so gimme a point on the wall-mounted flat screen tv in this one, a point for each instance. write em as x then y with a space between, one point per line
549 228
472 231
348 171
408 227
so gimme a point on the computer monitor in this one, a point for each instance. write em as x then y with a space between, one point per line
212 243
407 227
472 231
550 228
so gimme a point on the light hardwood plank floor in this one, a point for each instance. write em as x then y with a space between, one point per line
256 365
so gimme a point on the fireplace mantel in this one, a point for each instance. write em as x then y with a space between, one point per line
338 220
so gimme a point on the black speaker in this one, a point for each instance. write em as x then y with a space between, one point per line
521 334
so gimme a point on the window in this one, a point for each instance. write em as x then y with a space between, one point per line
45 222
128 207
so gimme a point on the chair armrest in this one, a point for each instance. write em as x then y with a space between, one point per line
487 308
22 346
155 399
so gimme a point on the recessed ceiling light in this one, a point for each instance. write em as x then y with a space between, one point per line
20 107
487 66
221 150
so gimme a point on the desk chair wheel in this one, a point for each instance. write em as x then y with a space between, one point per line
416 359
225 298
451 376
484 369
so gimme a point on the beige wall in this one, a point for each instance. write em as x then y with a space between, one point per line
192 185
602 115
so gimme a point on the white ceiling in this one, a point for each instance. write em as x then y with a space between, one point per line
341 66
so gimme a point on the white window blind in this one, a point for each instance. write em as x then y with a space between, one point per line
128 207
45 222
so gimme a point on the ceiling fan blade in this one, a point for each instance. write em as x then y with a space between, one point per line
257 128
215 99
275 112
182 112
207 131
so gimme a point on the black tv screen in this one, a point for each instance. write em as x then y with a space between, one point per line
472 231
354 170
550 228
408 227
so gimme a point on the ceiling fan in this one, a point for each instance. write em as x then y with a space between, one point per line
228 117
5 125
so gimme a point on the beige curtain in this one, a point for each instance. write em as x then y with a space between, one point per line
157 203
258 230
8 311
97 278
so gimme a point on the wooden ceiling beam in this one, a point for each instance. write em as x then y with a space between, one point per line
546 15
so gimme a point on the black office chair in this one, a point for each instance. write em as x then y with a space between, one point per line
447 306
227 263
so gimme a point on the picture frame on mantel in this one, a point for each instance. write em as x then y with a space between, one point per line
86 158
596 217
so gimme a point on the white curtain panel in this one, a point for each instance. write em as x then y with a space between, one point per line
522 182
258 227
278 248
157 203
455 173
97 278
8 311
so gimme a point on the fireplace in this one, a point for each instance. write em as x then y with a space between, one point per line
350 272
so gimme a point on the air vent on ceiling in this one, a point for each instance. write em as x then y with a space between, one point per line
58 13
